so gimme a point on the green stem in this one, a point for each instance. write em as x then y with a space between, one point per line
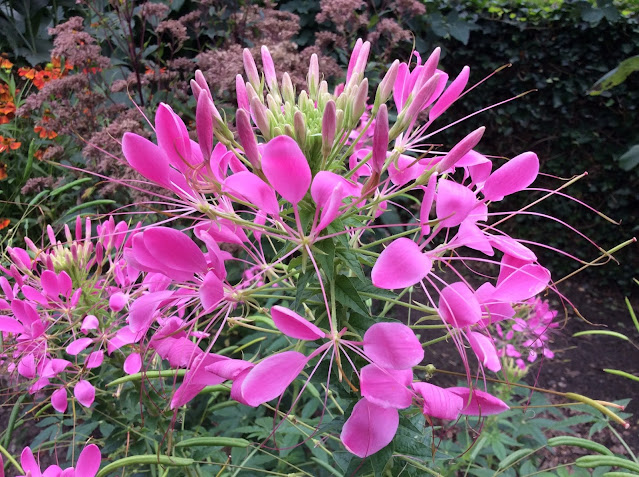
11 459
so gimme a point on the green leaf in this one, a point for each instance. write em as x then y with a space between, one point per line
630 159
346 294
592 15
615 76
326 258
460 30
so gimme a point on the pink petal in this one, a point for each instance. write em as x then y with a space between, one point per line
324 184
196 379
142 311
294 325
270 377
400 265
236 388
451 94
118 301
405 169
485 350
204 124
59 400
27 366
515 175
369 428
525 282
88 462
439 402
330 210
211 291
84 392
25 313
458 305
481 403
471 236
229 368
49 281
9 325
454 203
133 363
146 158
386 387
90 322
512 247
427 203
173 137
250 188
393 345
94 360
174 249
79 345
286 168
54 367
29 463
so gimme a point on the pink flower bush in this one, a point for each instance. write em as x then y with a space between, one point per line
279 232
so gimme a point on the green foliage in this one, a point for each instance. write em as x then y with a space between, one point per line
24 25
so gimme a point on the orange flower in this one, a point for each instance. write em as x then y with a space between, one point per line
28 73
8 143
38 154
4 223
45 133
5 64
3 171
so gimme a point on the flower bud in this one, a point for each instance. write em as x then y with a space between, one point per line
251 70
359 103
259 114
360 63
204 118
380 139
200 84
303 101
269 68
385 88
300 129
273 105
339 123
312 80
242 96
250 93
430 67
288 90
353 60
195 88
413 107
460 149
329 124
247 137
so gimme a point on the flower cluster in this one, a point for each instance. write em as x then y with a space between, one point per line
293 202
526 337
51 71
